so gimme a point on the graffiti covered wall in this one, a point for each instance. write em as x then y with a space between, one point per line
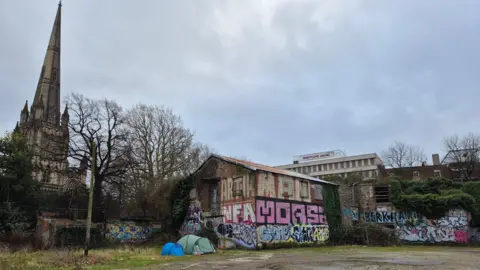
272 221
413 227
128 232
193 220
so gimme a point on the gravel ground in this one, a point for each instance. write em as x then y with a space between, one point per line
352 258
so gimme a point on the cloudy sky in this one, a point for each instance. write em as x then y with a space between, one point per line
264 80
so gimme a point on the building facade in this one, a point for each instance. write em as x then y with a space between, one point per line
44 126
253 205
331 163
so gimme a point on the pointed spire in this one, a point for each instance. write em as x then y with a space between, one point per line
65 112
24 114
25 108
49 81
17 128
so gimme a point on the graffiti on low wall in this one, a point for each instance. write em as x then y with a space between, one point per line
389 217
351 213
243 235
128 232
413 227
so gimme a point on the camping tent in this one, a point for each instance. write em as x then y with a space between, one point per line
193 244
172 249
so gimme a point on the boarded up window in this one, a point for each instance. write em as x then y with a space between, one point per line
382 193
304 189
318 192
287 187
237 186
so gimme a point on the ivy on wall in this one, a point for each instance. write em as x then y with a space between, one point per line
433 197
180 201
333 211
473 189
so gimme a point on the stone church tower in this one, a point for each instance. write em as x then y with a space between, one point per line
45 128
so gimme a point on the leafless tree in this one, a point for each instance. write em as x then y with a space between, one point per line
463 154
102 122
401 155
161 149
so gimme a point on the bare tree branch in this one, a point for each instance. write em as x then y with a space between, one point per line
401 155
102 122
463 154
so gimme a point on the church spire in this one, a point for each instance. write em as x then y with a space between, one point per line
47 94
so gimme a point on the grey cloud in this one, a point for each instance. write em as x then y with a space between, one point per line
263 79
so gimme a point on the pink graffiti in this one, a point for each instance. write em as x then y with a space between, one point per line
283 212
265 211
298 213
461 236
312 214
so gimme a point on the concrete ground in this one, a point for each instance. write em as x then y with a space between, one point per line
336 258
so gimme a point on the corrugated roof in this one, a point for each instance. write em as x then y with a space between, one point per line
259 167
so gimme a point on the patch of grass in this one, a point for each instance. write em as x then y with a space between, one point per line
98 259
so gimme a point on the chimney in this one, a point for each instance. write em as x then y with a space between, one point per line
424 164
436 159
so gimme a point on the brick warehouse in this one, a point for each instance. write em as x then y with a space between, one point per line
253 205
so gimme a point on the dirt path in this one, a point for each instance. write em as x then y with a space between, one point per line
357 258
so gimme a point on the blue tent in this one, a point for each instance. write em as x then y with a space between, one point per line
172 249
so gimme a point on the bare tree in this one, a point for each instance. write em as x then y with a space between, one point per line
401 155
161 149
463 154
102 122
199 152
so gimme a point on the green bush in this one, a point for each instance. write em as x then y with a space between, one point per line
432 198
12 219
473 189
363 233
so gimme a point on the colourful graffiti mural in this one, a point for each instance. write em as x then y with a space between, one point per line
274 221
193 220
299 233
244 235
128 232
413 227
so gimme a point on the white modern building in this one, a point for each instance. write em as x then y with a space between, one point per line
336 163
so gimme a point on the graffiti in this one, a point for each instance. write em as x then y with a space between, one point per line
269 211
212 222
474 236
273 233
389 217
413 227
299 233
128 232
193 220
351 213
239 213
242 234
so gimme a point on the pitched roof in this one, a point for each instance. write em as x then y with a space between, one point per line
259 167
